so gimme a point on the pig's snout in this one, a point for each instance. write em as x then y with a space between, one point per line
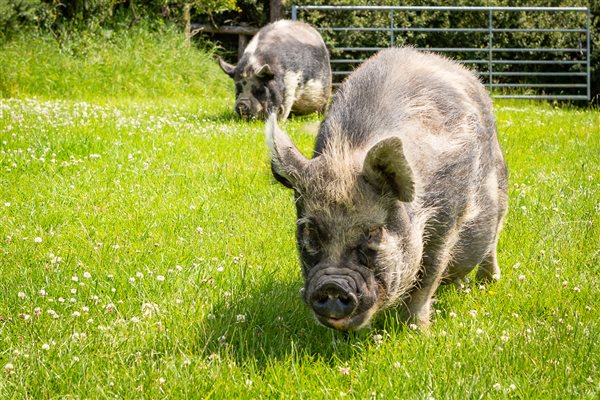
243 109
331 300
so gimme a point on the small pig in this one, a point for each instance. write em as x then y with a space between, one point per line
407 189
285 68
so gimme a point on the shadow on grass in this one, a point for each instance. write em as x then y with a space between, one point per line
272 323
222 117
230 115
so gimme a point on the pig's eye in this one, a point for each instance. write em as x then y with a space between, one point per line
310 239
373 236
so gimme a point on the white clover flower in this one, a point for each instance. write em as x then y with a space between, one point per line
161 381
110 307
452 314
135 320
160 278
73 291
46 346
497 386
149 309
132 279
139 275
479 331
522 277
9 368
21 295
87 275
75 278
378 339
43 293
38 240
413 327
473 313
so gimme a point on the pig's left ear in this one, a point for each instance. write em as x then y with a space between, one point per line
264 72
226 67
387 169
287 162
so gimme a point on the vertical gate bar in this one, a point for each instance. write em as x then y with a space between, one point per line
294 12
490 45
588 49
391 28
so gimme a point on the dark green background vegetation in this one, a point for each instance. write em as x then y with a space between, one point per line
66 18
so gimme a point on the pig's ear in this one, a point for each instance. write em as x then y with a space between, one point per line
264 72
226 67
287 162
386 169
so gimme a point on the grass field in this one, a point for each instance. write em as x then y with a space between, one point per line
146 251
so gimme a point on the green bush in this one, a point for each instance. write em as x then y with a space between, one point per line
55 15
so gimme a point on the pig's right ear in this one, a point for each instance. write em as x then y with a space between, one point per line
387 169
287 162
226 67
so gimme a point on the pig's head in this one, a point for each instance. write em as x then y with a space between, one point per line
357 246
258 91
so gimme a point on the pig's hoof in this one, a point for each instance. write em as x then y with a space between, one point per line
485 276
460 283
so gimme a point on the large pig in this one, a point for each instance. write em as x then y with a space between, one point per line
407 189
285 68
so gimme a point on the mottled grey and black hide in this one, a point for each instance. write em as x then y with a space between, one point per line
407 189
285 68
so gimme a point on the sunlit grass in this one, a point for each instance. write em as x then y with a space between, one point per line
146 251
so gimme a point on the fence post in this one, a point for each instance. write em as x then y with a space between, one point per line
490 46
391 28
294 12
589 47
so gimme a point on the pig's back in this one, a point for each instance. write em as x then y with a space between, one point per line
415 95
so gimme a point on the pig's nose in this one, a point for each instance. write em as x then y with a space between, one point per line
243 109
333 301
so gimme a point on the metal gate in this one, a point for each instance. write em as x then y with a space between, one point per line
550 61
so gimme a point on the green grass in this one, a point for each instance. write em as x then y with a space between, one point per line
146 252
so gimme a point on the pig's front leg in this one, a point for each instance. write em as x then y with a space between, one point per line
436 258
